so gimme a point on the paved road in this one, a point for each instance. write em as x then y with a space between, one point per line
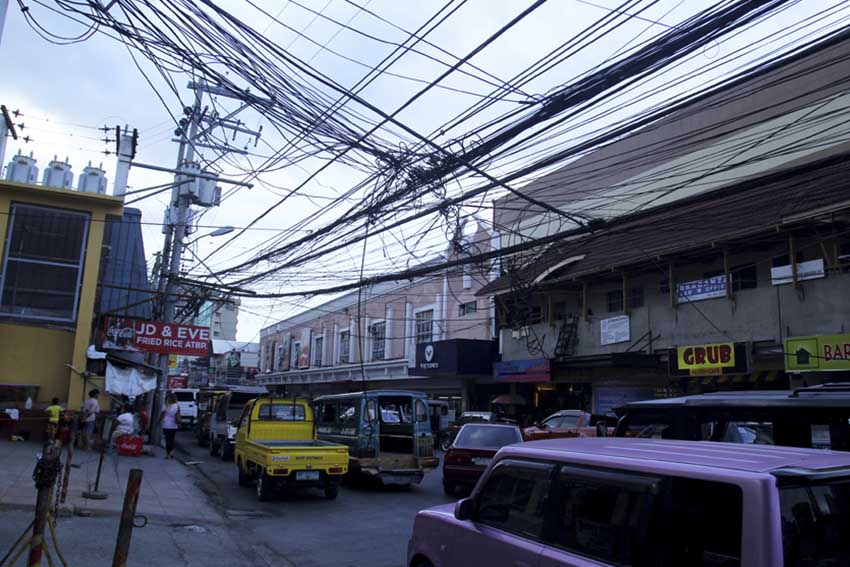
365 525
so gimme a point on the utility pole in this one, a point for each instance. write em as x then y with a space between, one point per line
186 192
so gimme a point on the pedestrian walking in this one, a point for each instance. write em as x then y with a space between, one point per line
170 420
90 410
54 412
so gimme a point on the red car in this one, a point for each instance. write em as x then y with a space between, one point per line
566 423
473 448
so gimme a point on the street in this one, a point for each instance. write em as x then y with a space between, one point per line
365 525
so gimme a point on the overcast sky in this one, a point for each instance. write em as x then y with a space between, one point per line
65 92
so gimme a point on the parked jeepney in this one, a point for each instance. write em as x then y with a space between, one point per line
388 433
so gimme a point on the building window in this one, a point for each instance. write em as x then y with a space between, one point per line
635 297
559 311
344 347
785 259
467 308
43 263
318 350
615 301
535 314
425 326
377 334
743 277
293 354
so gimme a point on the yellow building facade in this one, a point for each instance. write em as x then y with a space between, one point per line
51 256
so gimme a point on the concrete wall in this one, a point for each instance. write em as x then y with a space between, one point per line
766 313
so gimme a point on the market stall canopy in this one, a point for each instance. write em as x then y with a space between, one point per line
129 381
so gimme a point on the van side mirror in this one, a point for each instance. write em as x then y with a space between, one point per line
464 509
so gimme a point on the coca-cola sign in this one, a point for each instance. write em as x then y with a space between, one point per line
155 336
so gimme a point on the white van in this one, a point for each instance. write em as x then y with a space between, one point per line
187 400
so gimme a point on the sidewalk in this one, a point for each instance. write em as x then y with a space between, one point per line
168 488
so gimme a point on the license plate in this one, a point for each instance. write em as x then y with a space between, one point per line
483 461
307 475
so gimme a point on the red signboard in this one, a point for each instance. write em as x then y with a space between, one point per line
155 336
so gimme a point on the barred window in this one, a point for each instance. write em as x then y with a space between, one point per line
467 308
43 263
425 326
377 334
344 347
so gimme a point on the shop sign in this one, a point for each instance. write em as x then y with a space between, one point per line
699 290
177 382
811 270
706 357
172 361
614 330
455 356
821 352
303 354
537 370
155 336
605 399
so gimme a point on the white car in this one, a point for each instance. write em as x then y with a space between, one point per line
186 399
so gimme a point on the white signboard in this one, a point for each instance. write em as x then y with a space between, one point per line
811 270
698 290
614 330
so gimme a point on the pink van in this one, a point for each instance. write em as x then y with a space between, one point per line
594 502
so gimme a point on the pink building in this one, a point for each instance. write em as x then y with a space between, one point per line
431 334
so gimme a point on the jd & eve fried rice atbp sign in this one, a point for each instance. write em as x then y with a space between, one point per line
156 336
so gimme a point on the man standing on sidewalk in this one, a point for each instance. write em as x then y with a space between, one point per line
90 410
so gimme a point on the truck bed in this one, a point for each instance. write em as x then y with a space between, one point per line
305 443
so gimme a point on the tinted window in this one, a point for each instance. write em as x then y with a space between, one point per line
514 498
815 524
282 412
486 437
705 522
608 515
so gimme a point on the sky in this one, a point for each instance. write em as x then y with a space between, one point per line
66 92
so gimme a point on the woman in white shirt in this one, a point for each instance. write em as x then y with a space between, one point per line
125 424
170 420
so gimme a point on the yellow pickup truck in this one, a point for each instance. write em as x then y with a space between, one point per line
276 446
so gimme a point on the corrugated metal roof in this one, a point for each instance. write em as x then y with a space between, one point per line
125 266
745 209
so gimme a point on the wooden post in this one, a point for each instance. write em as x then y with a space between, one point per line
128 514
674 301
727 272
625 295
46 471
584 301
793 256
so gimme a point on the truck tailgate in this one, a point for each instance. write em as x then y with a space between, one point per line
299 454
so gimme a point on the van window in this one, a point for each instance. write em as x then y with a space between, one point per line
749 432
704 523
815 523
609 516
282 412
421 411
348 412
515 496
185 396
329 412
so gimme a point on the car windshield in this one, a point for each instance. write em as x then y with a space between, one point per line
185 396
485 437
815 524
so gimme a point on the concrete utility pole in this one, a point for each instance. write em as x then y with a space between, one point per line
185 192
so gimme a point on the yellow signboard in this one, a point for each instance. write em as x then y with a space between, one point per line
705 357
172 361
821 352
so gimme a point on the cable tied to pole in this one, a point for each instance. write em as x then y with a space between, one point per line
46 472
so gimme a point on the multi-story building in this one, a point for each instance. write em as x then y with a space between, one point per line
221 316
431 334
51 259
734 242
